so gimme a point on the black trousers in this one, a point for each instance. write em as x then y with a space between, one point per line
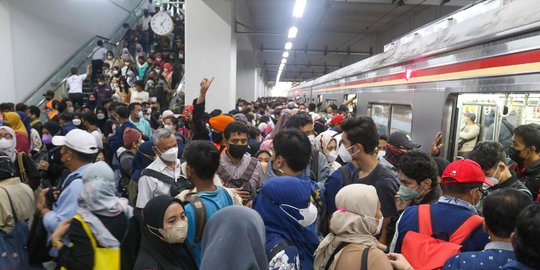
97 69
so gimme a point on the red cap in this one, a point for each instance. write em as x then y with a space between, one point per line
337 119
464 171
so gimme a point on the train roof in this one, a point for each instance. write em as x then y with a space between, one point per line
497 22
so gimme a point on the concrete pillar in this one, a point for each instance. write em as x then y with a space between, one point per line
247 75
211 51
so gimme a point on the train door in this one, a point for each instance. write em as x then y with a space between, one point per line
492 117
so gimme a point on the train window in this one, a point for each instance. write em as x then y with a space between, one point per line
495 117
380 113
401 119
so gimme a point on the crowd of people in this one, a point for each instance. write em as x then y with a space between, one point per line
271 184
119 180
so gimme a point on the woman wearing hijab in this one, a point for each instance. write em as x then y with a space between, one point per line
220 248
327 144
168 74
102 117
144 156
14 121
357 219
29 173
284 204
164 231
281 123
51 168
110 223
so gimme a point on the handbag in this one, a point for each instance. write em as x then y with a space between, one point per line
13 244
37 242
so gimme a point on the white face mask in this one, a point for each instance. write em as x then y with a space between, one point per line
309 214
100 116
170 155
5 143
167 127
381 154
140 114
344 153
174 235
332 156
311 139
76 122
379 222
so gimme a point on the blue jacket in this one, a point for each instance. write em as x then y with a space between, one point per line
445 218
117 140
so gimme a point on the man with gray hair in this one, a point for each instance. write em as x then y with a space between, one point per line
164 172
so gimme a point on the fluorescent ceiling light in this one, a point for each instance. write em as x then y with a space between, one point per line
299 7
288 45
285 54
293 31
284 60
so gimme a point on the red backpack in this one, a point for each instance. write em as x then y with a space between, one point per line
425 252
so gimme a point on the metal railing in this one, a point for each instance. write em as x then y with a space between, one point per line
56 82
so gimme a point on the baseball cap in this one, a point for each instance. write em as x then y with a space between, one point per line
401 140
220 122
167 113
336 119
78 140
464 171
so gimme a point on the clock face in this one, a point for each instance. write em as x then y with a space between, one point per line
162 24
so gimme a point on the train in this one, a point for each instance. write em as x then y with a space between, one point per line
483 59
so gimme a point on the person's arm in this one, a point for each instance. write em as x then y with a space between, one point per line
65 207
324 169
146 189
205 85
79 254
32 172
332 185
469 132
386 190
88 70
437 144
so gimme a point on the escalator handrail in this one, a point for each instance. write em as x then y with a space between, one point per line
92 40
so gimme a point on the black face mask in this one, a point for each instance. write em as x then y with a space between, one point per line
237 150
514 155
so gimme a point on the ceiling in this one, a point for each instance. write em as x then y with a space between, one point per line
331 33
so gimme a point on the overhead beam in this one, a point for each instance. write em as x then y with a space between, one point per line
411 2
316 51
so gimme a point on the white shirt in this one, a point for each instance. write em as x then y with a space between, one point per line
150 187
75 83
99 53
145 21
99 137
139 97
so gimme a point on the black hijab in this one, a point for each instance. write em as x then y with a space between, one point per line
167 256
54 129
154 120
101 123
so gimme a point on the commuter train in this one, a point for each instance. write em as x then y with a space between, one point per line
483 59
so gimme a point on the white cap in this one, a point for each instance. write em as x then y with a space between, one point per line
167 113
78 140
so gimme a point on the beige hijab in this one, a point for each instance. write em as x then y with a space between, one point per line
349 223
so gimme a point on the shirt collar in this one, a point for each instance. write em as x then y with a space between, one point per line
458 202
499 245
161 166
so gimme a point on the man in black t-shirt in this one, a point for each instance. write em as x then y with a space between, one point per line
359 149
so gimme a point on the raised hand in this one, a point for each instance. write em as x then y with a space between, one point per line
436 145
205 84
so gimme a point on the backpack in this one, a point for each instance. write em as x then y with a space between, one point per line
177 185
346 175
200 214
23 175
104 258
243 181
365 254
424 252
123 184
13 244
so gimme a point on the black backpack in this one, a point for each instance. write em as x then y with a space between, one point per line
177 185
